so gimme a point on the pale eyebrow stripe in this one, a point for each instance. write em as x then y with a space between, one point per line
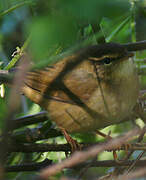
101 59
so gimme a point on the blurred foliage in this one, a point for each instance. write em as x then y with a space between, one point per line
47 28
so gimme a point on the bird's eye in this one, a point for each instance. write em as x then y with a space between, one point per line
106 60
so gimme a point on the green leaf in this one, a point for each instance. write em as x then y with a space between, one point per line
118 29
12 8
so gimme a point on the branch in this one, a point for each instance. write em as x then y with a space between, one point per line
35 134
30 119
137 46
29 148
133 175
46 162
28 166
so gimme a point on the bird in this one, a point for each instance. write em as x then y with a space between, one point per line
92 88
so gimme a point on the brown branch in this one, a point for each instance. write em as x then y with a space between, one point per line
28 166
29 148
80 157
110 163
46 162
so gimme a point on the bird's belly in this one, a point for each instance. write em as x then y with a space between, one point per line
105 107
99 113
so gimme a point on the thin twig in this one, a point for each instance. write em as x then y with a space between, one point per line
133 175
135 162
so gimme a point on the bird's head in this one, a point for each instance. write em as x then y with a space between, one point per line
111 60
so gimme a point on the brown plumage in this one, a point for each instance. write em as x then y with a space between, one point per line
93 88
